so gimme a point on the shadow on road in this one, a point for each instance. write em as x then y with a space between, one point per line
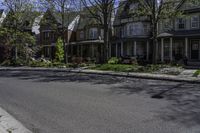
184 97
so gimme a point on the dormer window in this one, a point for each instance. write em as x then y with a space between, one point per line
195 22
93 33
181 23
81 35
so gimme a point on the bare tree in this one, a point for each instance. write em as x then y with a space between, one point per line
102 11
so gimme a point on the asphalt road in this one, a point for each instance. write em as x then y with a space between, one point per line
49 102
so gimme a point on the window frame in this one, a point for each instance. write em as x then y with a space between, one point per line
183 23
197 22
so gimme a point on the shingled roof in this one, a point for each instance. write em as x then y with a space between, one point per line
86 19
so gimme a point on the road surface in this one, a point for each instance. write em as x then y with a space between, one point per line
60 102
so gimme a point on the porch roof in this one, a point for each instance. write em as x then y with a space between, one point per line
87 42
181 33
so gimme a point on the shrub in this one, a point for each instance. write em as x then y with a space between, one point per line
115 67
59 55
113 60
197 73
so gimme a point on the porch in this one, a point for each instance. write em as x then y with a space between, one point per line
139 49
179 48
87 50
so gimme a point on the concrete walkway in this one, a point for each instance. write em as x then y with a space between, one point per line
185 76
8 124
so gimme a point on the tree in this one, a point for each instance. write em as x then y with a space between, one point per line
59 51
17 20
62 9
159 10
102 11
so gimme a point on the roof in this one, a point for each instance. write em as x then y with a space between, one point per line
51 17
2 15
125 12
86 19
182 33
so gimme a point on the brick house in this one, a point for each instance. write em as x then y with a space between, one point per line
50 27
89 38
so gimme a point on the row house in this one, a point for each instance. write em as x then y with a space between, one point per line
50 29
89 38
179 38
131 33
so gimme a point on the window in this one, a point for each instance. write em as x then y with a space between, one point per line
130 30
181 23
93 33
81 35
194 22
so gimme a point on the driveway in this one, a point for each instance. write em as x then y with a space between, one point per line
58 102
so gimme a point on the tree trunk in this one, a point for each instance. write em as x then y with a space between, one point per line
16 53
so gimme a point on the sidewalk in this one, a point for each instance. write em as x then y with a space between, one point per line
9 125
179 78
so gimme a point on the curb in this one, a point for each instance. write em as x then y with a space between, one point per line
9 124
111 73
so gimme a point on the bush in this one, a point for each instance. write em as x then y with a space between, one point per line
13 62
113 60
197 73
59 55
115 67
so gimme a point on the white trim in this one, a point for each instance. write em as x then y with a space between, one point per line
147 49
162 49
171 49
135 48
122 48
191 22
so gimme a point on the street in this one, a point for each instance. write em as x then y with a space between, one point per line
61 102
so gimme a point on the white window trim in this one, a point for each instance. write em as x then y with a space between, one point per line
183 23
192 22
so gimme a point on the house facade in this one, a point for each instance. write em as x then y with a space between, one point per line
179 38
131 33
89 39
50 29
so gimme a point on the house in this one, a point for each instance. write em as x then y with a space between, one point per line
50 30
89 38
180 37
131 33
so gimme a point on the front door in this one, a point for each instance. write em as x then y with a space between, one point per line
195 49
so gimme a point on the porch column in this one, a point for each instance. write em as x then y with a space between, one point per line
162 49
116 49
81 50
135 48
186 47
171 49
147 56
122 48
92 50
72 50
77 50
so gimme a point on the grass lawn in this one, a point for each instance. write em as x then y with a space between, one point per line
128 68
